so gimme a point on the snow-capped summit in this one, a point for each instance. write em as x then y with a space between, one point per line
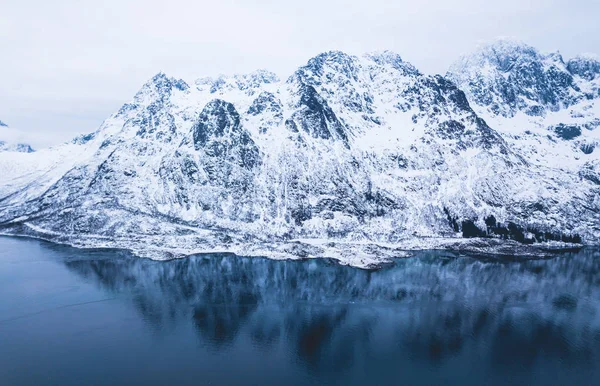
547 108
393 59
508 77
159 89
351 157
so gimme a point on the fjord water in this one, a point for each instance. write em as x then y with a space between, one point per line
70 316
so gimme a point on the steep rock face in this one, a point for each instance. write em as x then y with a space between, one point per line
353 150
266 102
314 116
214 168
219 133
267 111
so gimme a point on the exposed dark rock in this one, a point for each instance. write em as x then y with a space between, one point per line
315 117
587 148
510 231
219 133
265 101
567 132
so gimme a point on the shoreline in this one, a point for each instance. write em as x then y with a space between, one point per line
362 255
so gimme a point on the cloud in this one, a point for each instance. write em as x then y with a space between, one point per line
66 65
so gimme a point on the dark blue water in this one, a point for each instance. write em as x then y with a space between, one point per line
74 317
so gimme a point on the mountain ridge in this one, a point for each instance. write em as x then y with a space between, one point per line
351 157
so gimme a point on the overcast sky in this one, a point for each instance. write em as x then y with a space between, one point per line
66 65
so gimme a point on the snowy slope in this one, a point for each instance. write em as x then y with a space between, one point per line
354 158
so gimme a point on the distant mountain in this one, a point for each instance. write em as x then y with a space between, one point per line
11 146
19 147
354 158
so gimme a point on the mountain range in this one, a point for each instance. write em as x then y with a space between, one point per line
356 158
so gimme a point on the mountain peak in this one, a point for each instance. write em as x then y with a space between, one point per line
159 88
586 66
265 75
326 63
508 44
161 80
508 75
387 57
336 60
331 56
248 81
501 54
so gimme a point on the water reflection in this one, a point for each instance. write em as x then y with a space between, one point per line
427 309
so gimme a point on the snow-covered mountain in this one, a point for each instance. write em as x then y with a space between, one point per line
546 107
354 158
12 146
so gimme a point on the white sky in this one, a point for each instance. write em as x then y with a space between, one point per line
66 65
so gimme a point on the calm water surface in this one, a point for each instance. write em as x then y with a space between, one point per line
74 317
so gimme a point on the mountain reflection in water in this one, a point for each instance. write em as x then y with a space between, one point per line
438 303
479 316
